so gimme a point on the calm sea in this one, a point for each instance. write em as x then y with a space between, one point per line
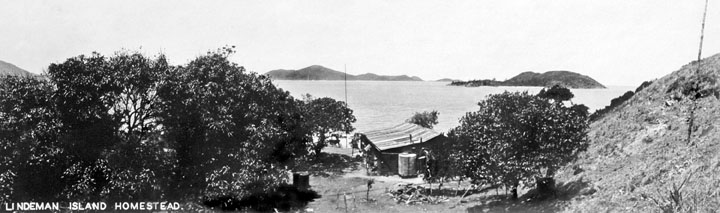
379 104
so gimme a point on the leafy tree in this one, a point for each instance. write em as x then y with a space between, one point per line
107 109
230 129
88 129
616 102
28 157
425 119
447 163
557 93
131 127
325 116
517 137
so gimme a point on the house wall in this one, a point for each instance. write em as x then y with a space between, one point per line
390 156
417 147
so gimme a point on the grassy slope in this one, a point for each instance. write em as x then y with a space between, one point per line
10 69
638 152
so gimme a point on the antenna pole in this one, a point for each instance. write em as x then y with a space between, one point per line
702 35
346 84
696 84
347 143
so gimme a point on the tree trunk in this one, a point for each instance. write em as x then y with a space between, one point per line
514 191
367 194
320 145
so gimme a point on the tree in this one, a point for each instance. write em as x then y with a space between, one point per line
425 119
325 116
514 137
230 129
693 88
30 166
446 162
131 127
557 93
107 108
85 130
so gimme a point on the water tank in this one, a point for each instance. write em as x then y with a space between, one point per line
301 180
406 165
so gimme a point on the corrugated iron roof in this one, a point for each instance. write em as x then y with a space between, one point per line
399 136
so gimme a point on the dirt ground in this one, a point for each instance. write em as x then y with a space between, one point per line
342 182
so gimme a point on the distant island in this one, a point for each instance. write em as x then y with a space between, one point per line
447 80
563 78
317 72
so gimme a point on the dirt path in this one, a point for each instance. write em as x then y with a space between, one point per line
347 191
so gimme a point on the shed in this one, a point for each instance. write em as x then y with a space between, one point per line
387 143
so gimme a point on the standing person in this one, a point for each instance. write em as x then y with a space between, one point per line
368 159
429 161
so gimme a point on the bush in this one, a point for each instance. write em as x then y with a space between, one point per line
425 119
514 137
129 127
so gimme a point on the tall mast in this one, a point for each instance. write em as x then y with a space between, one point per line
347 143
346 84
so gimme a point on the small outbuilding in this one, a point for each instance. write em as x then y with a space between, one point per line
383 147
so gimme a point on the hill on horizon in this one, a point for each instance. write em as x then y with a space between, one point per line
639 157
551 78
547 79
10 69
317 72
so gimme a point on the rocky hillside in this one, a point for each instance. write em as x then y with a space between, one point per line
547 79
639 158
317 72
11 69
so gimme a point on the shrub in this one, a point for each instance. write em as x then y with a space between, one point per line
513 137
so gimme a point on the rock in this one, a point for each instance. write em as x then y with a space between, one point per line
588 191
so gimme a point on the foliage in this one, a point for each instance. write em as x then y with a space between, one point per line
425 119
616 102
228 126
643 85
557 93
107 108
284 198
29 158
446 162
84 130
694 88
325 116
514 137
131 127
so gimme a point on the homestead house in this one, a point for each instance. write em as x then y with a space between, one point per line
384 145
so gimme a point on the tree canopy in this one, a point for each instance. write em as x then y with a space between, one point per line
516 137
557 93
132 127
425 119
325 116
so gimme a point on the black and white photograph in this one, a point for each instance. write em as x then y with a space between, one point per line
359 106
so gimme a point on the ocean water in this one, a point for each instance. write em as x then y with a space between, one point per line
380 104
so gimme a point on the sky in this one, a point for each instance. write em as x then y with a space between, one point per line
616 42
